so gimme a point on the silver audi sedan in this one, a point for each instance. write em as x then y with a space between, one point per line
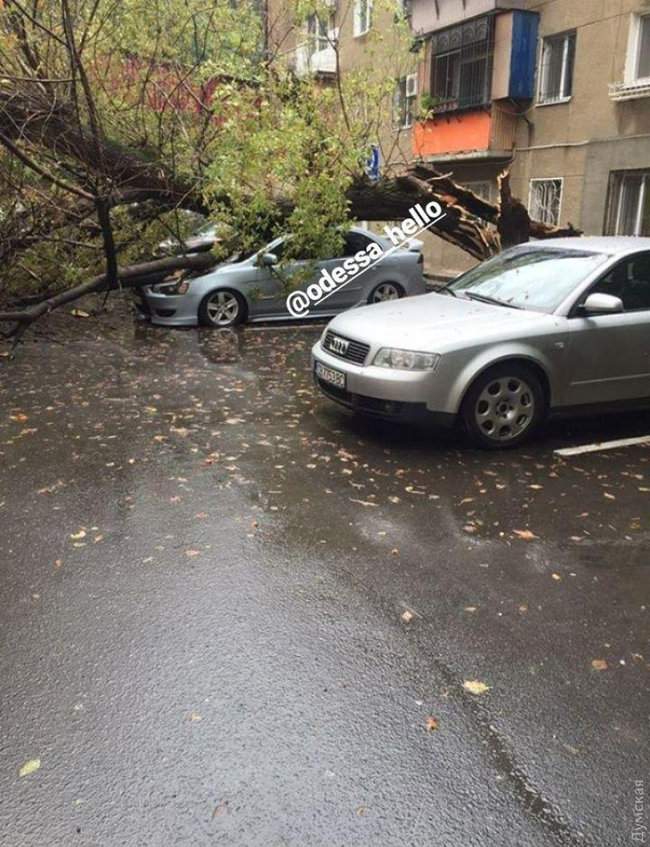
546 328
252 288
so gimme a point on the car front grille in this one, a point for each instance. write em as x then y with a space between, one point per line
345 348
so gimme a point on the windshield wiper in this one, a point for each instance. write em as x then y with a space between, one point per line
482 298
446 290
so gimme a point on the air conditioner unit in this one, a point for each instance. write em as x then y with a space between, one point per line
412 85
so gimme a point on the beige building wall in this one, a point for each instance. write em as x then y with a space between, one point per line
589 136
580 141
438 15
382 52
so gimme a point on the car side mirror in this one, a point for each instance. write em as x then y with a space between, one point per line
601 304
267 260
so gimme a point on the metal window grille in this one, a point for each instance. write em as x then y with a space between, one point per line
545 200
483 189
461 65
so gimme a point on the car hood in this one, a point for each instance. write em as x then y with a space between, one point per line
225 268
437 323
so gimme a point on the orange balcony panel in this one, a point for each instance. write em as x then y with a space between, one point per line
452 134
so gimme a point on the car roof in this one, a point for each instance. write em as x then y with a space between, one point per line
357 229
611 244
361 231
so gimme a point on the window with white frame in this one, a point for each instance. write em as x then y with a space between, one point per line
638 52
317 33
629 203
404 101
556 68
545 200
362 17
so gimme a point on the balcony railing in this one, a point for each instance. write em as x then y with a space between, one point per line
440 106
629 90
478 134
320 62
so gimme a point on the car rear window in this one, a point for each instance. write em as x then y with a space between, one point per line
539 279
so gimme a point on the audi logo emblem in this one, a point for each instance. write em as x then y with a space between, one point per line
339 345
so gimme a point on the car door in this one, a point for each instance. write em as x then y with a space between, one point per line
609 356
263 288
278 281
346 295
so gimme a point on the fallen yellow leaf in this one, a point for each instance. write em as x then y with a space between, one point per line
77 536
432 724
475 687
599 665
524 534
29 767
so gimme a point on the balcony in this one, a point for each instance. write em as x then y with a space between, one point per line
315 62
619 91
480 74
428 16
487 135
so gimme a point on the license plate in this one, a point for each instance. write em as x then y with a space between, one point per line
330 375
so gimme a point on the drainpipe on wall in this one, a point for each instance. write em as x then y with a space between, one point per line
529 124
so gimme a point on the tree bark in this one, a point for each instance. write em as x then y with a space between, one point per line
138 176
132 276
34 119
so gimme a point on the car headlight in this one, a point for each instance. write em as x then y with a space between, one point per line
174 284
405 360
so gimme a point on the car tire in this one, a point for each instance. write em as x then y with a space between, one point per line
385 291
222 308
504 406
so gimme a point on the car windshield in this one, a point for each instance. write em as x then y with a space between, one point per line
538 279
208 228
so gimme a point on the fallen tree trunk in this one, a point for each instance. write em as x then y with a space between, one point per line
136 176
132 276
392 200
29 120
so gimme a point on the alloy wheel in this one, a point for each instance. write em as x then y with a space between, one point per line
385 291
505 408
223 308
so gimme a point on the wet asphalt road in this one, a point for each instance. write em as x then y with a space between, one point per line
205 569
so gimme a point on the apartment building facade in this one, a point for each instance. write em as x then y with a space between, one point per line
556 90
367 37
